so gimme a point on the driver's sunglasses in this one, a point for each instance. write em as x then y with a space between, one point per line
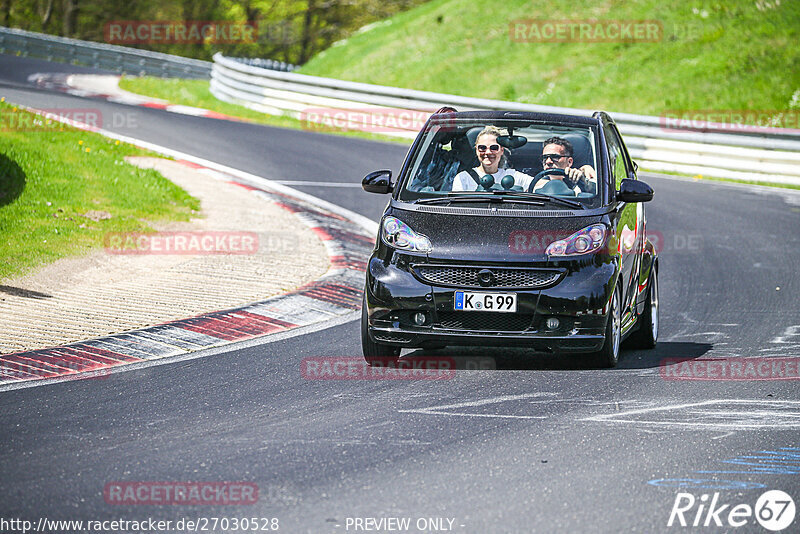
554 157
493 148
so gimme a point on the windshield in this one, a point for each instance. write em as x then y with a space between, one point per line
461 158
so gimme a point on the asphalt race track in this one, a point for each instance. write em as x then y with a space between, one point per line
532 444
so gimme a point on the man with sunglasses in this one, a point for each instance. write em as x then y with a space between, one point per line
557 154
492 163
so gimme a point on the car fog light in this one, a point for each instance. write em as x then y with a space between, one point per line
552 323
420 318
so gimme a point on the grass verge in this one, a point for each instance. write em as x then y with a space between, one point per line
733 55
62 190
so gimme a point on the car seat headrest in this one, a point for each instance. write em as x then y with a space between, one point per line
581 150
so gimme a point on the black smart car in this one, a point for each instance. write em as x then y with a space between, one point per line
512 228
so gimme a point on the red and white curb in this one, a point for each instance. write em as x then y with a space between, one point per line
335 294
61 82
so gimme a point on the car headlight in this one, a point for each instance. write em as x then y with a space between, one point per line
585 241
398 234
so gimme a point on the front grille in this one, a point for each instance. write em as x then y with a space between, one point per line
484 321
460 276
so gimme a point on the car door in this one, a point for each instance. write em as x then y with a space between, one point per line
640 274
629 222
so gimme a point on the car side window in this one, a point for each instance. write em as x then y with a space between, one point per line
616 157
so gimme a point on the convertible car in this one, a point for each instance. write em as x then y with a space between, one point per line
541 250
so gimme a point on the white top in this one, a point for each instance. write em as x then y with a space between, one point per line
464 182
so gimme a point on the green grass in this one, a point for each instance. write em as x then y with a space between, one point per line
714 55
196 93
51 175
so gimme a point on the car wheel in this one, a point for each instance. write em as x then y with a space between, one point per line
376 354
608 356
647 334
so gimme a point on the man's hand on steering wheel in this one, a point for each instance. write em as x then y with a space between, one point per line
584 177
585 172
574 174
589 172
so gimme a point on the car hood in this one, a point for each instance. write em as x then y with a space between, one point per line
457 235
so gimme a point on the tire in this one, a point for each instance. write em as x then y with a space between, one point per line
608 356
375 354
646 336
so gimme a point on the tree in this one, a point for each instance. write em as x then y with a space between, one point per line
70 18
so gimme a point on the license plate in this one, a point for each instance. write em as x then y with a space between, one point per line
492 302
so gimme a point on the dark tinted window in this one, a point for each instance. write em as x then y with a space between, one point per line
616 156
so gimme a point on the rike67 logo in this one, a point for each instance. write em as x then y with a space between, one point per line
774 510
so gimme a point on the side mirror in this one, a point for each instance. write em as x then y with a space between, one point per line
378 182
634 191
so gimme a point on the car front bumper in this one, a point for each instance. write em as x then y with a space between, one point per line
579 300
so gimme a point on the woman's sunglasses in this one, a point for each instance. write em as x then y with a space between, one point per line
493 148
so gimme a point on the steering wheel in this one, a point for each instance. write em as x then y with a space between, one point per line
548 172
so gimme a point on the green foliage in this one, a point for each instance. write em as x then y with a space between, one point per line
287 30
52 176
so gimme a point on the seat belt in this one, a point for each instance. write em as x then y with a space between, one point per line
475 177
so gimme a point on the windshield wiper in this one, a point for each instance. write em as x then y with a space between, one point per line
539 196
522 197
482 197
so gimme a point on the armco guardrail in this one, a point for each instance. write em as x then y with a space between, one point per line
772 156
268 64
113 58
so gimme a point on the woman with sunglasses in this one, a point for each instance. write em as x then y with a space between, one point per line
492 163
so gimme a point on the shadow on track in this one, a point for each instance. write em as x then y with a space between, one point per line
521 359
